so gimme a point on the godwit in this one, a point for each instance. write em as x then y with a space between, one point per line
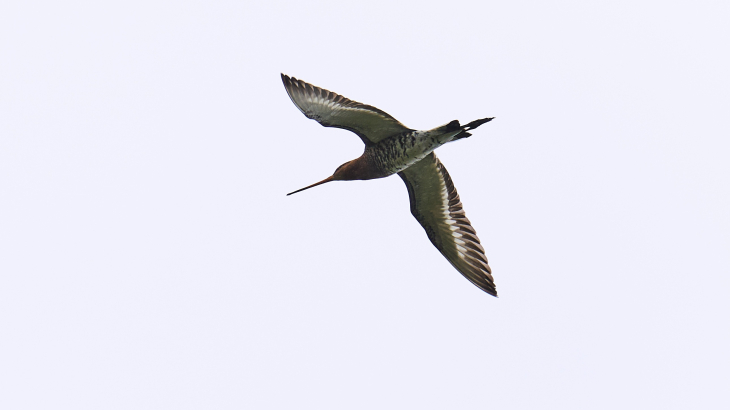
391 147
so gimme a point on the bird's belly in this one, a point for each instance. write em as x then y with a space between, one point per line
399 152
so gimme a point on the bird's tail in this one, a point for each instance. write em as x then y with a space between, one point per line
468 127
474 124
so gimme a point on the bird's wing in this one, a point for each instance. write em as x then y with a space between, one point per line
436 205
333 110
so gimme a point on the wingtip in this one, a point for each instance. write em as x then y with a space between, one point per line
490 290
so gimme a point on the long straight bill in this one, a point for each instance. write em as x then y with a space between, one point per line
328 179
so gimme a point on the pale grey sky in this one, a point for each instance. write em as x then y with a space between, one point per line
150 259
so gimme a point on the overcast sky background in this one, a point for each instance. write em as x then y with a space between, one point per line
150 259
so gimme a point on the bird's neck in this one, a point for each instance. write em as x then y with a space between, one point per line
358 169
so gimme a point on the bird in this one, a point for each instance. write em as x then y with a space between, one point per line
392 148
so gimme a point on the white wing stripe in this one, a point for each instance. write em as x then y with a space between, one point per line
333 110
436 205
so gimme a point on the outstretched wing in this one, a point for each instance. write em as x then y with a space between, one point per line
436 205
333 110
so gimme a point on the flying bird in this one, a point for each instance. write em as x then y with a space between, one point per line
390 148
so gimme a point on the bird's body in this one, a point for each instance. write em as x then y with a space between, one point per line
394 154
392 148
